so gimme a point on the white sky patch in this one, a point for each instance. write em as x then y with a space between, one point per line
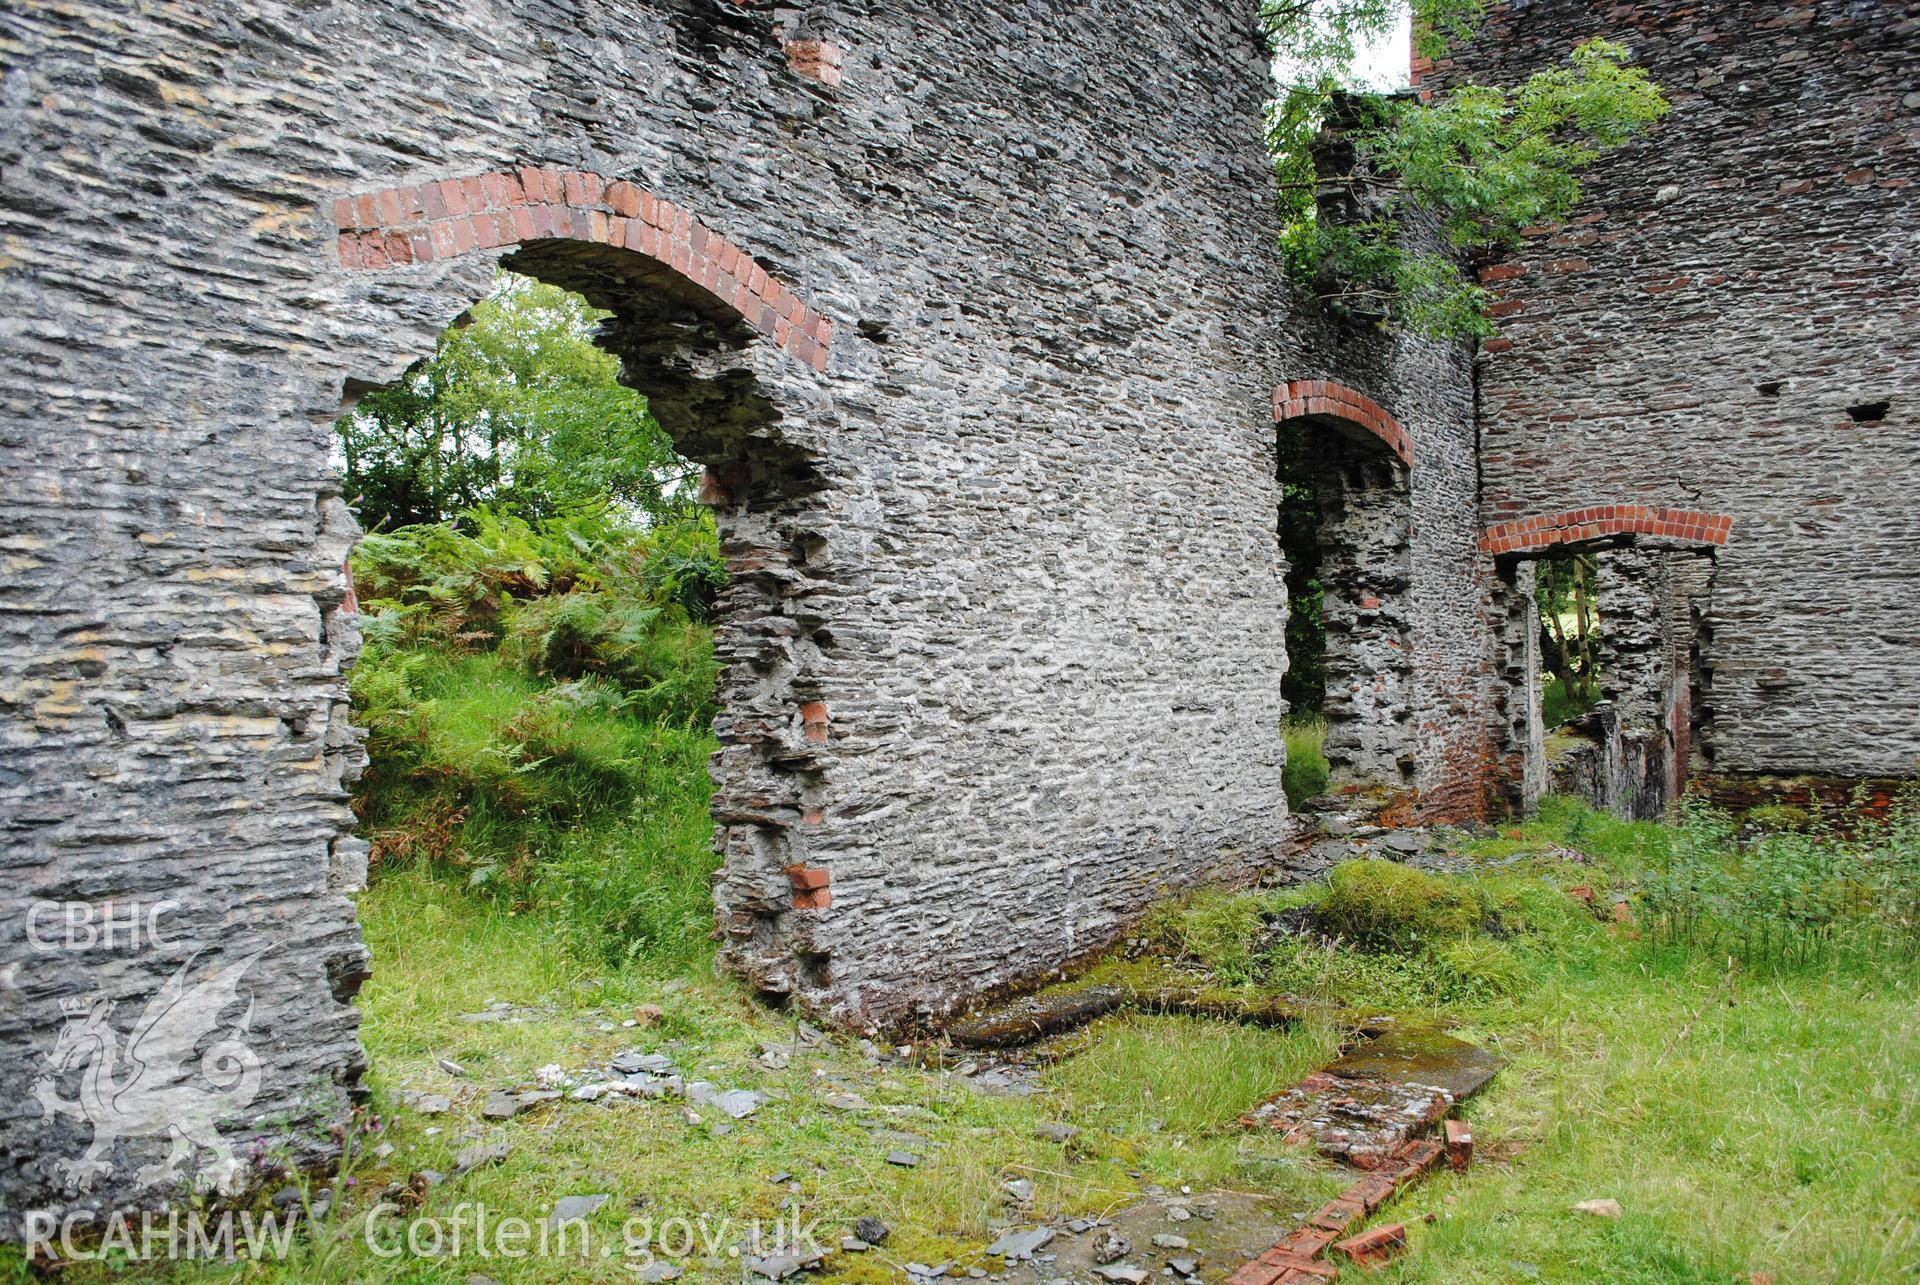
1384 64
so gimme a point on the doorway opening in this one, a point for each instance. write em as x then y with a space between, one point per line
1605 673
537 588
583 519
1346 513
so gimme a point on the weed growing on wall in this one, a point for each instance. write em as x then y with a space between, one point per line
1481 162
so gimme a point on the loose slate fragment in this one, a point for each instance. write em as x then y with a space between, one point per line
1021 1243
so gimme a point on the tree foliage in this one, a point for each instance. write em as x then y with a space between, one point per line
1483 162
515 408
1566 590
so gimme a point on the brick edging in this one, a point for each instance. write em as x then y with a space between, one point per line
1298 1257
446 218
1324 399
1576 526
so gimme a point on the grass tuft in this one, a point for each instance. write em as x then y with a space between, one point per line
1305 775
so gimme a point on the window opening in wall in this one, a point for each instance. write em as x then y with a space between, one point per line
536 589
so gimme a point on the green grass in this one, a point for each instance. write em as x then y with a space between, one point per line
1744 1126
1156 1101
1753 1109
537 698
1558 705
1748 1119
1305 775
542 793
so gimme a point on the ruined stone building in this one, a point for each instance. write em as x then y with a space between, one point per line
973 314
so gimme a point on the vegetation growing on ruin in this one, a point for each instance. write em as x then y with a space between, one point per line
1732 1056
1565 590
538 674
1474 166
1305 774
1383 905
1751 1112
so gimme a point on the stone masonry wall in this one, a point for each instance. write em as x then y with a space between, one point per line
1409 656
1727 324
971 313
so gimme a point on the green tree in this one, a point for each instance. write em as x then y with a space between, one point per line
515 408
1566 590
1483 162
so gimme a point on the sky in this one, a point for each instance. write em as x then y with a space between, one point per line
1384 64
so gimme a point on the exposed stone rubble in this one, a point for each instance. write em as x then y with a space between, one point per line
1363 1108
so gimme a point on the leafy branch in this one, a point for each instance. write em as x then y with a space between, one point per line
1481 163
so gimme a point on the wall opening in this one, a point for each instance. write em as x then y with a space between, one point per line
1567 590
537 589
585 626
1605 672
1345 529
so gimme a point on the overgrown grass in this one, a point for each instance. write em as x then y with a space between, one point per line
1155 1101
1752 1101
537 701
1790 899
1748 1119
1305 775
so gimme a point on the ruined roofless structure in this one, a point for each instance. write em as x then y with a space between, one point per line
973 315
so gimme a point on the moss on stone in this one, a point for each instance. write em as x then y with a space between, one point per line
1779 816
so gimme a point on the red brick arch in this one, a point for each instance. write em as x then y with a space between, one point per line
1321 399
484 212
1596 522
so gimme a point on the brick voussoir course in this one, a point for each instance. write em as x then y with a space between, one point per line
445 218
1303 398
1597 522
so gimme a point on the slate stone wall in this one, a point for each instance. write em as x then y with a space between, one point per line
1715 329
1410 645
1004 642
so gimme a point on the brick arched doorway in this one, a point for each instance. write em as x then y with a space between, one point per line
1654 574
1357 460
698 323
